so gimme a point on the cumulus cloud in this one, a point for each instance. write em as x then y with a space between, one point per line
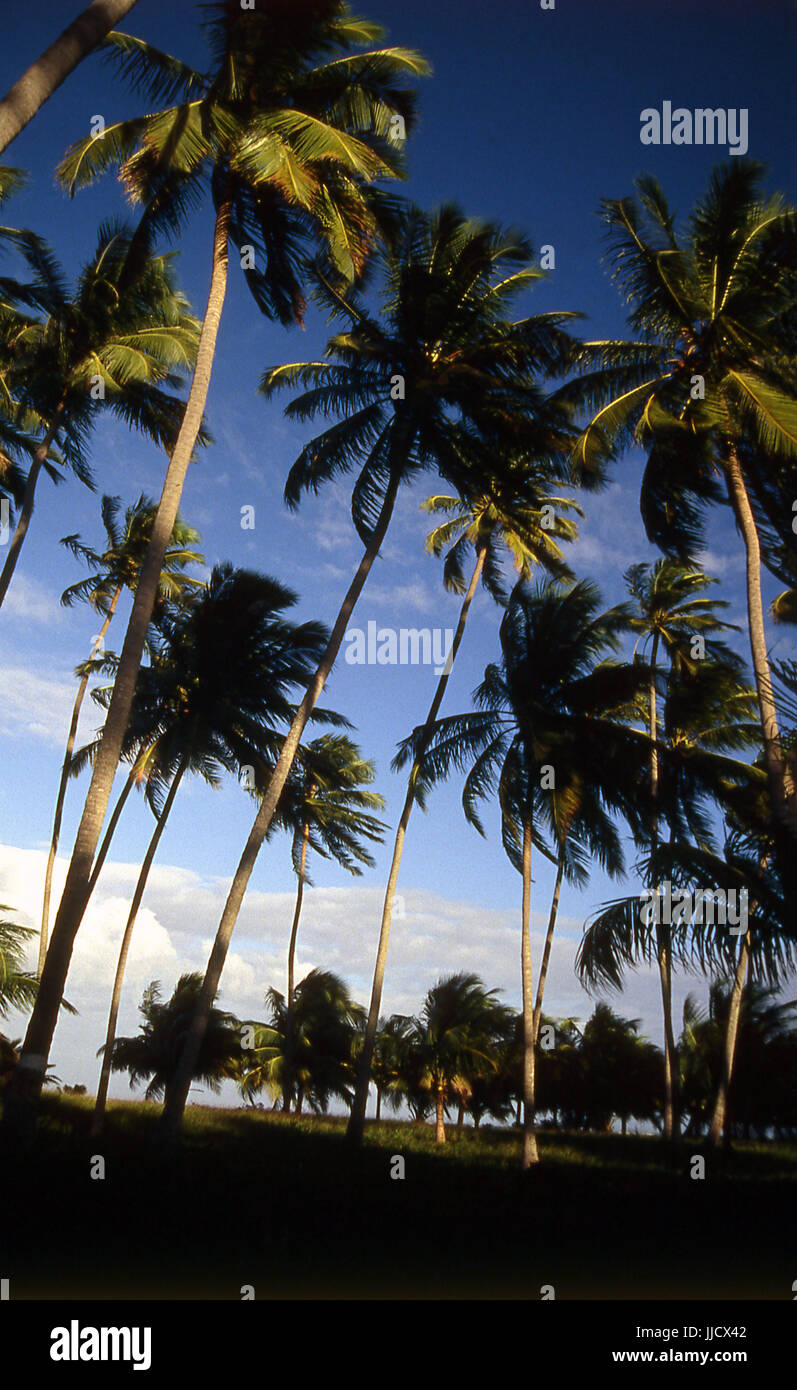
432 936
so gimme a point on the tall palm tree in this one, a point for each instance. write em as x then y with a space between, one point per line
515 515
289 127
552 705
212 700
710 388
441 375
670 609
453 1038
327 804
115 569
707 716
45 75
115 344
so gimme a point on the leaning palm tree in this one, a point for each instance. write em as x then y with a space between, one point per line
289 128
45 75
515 515
440 378
115 569
550 715
211 701
120 343
709 390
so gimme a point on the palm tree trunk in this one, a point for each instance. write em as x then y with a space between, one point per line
439 1110
530 1155
171 1118
546 955
781 782
731 1034
286 1104
45 76
18 1122
378 1103
356 1126
121 965
26 510
59 804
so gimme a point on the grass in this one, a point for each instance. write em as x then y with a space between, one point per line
284 1205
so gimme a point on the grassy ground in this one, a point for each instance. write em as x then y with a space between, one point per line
284 1205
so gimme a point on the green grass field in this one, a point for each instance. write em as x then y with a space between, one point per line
283 1205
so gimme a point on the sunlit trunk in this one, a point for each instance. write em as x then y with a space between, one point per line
291 959
64 782
717 1129
439 1110
20 1110
45 76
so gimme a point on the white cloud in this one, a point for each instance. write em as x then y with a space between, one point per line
29 601
35 706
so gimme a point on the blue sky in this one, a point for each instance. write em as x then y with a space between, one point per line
530 118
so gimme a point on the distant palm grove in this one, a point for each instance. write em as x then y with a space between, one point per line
653 739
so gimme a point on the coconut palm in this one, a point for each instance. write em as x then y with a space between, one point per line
515 515
326 803
212 700
289 127
115 569
151 1055
315 1055
710 389
45 75
671 609
452 1039
549 713
116 343
707 715
440 378
390 1064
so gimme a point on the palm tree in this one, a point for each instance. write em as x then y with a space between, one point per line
442 378
42 78
452 1039
550 707
513 515
115 569
115 344
152 1054
290 128
670 610
211 701
710 389
315 1053
327 804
